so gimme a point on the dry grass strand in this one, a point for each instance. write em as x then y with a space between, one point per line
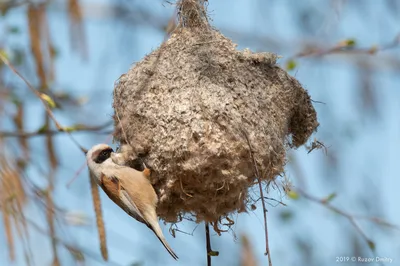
34 25
78 38
12 197
99 217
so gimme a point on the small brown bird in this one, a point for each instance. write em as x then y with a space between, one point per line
128 188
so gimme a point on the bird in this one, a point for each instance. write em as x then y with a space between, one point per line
130 189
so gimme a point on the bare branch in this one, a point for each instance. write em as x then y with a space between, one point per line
70 246
208 245
78 128
42 99
347 47
267 252
350 217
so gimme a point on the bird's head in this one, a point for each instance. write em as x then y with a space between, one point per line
99 153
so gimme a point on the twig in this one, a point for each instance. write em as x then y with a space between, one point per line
7 134
37 93
176 229
267 252
351 218
316 145
378 221
69 246
272 199
82 167
314 101
208 244
44 102
76 175
347 47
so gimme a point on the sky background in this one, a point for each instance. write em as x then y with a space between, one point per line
363 135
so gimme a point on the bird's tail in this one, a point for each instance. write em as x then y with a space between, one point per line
157 231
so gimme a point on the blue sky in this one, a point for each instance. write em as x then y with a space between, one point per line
366 145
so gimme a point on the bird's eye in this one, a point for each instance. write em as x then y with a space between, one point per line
103 155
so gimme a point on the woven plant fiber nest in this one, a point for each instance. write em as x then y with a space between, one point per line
206 118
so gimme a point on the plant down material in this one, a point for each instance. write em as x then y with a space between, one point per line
191 108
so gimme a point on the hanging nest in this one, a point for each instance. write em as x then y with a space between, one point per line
206 118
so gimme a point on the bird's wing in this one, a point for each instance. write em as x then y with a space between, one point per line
116 192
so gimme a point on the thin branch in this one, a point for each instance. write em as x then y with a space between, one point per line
84 165
69 246
76 174
44 102
267 251
378 221
176 229
37 93
208 244
7 134
350 217
271 199
347 47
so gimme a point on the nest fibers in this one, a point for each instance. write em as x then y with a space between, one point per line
206 118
